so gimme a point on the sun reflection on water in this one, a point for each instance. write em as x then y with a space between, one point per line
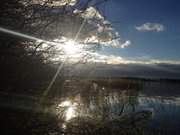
67 109
70 113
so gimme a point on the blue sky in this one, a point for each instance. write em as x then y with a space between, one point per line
145 43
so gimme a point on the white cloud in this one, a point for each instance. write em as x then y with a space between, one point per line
126 44
151 27
92 12
53 3
118 43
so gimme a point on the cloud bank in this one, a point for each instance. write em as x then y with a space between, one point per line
153 71
116 60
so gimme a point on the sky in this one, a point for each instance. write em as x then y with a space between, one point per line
152 28
149 32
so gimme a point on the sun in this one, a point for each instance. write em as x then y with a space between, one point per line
65 49
71 48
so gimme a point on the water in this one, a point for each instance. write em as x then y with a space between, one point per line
106 101
97 106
